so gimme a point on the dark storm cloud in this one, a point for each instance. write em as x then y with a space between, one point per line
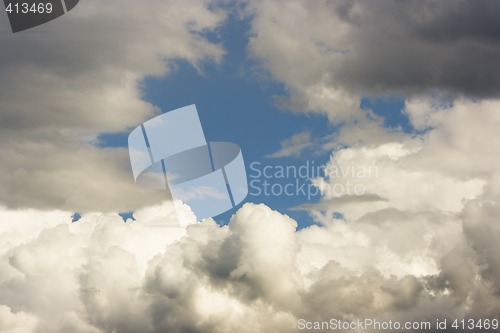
418 46
381 47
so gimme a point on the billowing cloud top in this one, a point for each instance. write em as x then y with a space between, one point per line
419 242
255 275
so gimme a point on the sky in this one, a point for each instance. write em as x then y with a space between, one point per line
387 112
233 103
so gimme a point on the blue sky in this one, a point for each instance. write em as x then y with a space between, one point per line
421 234
235 102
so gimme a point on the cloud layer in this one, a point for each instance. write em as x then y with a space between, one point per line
81 79
255 275
419 242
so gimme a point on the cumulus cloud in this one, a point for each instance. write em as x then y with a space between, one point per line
391 172
257 274
68 81
452 161
414 241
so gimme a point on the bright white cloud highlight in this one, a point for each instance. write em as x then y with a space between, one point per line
257 274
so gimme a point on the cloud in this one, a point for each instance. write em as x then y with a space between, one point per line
258 274
293 146
418 241
452 161
16 323
337 202
356 48
66 82
387 171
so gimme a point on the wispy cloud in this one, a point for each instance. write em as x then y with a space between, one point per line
293 146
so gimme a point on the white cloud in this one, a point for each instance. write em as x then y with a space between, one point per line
453 161
255 275
388 172
421 241
16 323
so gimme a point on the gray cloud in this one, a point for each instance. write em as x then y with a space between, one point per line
356 48
420 46
64 83
426 251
